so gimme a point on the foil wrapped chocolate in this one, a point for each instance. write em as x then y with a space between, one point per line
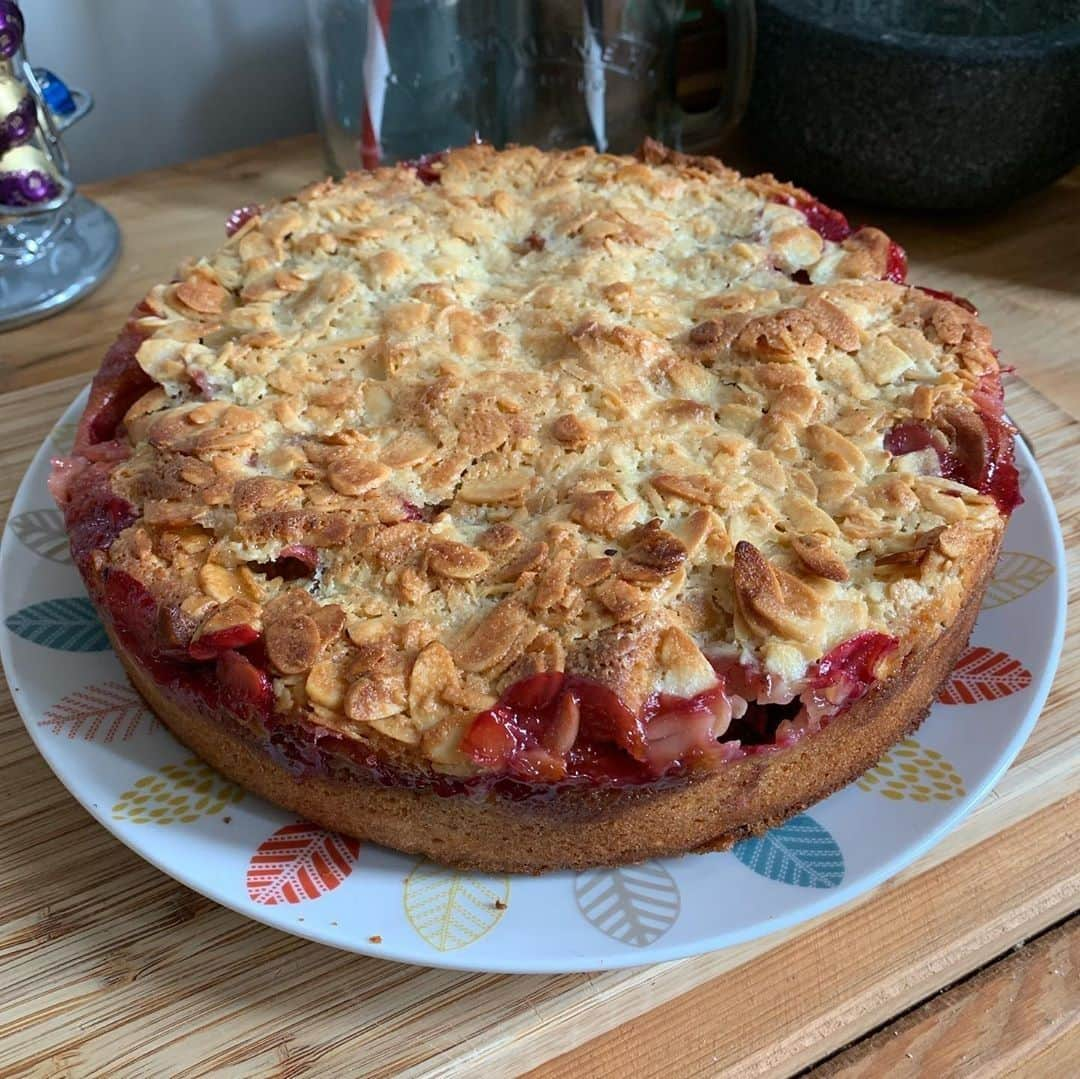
18 113
27 177
12 29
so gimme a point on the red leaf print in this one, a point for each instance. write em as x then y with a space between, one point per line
111 710
298 862
984 675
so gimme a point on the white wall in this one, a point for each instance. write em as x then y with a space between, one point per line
173 79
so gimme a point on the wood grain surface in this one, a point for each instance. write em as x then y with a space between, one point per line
109 968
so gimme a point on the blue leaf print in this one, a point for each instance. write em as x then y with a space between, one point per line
800 852
68 624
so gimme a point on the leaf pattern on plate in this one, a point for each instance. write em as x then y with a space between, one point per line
634 904
100 713
42 531
1016 574
70 625
452 909
981 674
800 852
910 770
299 862
177 793
62 436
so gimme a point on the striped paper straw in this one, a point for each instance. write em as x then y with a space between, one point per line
376 73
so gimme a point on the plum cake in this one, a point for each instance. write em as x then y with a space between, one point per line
534 510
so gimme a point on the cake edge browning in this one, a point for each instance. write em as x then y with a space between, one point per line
581 828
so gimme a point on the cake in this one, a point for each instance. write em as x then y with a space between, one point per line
532 510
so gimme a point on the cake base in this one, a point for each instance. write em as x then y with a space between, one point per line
578 827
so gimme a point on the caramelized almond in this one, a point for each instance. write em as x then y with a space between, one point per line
818 557
456 560
293 644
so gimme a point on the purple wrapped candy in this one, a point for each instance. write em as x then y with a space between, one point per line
27 178
18 122
12 29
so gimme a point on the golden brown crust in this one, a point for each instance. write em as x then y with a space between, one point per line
583 828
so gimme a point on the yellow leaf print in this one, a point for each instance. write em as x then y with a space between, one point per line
451 909
910 770
177 793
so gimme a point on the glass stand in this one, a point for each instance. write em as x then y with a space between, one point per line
49 261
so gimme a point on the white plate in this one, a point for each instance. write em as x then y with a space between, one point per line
194 825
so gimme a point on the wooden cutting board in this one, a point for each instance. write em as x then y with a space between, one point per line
107 967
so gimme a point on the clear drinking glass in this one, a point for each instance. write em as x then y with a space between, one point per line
396 79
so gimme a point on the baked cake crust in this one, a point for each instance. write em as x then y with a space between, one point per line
521 494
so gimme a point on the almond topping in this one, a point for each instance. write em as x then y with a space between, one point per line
409 448
499 537
689 488
603 512
219 582
706 333
592 570
293 644
259 494
369 699
817 556
570 431
529 559
493 637
456 560
656 549
233 612
353 476
325 685
433 674
206 297
621 599
770 600
509 488
367 630
914 555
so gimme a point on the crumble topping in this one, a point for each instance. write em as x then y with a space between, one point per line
553 412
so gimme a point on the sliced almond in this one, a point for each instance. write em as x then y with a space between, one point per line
407 449
770 600
198 293
836 451
219 582
456 560
433 675
293 644
602 512
527 560
492 639
656 549
353 475
697 488
508 489
818 557
591 571
498 538
325 685
914 555
368 630
233 612
570 431
621 599
370 699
